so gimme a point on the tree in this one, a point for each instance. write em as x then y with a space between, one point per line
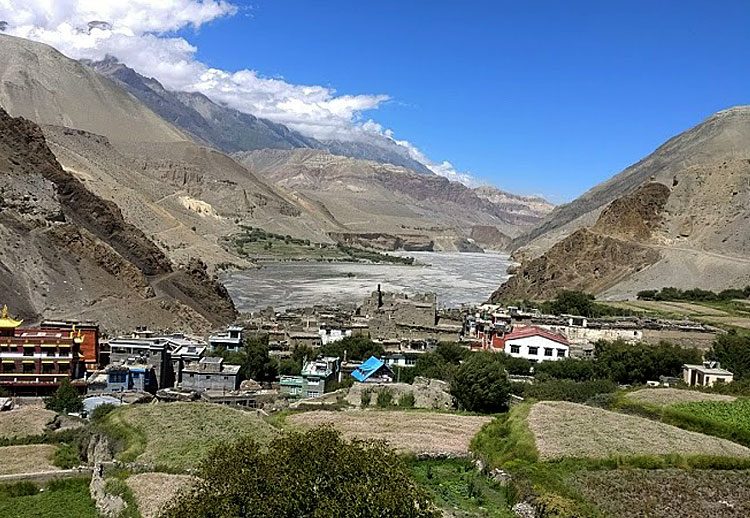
638 363
314 474
733 352
567 368
481 385
65 399
258 364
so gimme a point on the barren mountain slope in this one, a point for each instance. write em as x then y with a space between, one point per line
39 83
183 196
369 197
595 259
68 253
695 157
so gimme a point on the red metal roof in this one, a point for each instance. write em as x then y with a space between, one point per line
526 331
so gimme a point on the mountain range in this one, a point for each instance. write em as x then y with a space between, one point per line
158 159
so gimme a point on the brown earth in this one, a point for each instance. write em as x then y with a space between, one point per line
703 236
595 259
68 252
490 237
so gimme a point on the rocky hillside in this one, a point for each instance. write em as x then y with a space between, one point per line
39 83
68 253
595 259
369 197
701 154
698 235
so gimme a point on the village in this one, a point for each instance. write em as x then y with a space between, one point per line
175 366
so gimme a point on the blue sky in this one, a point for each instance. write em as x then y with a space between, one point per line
547 97
532 96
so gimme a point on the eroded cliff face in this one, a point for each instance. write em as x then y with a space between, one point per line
68 253
594 259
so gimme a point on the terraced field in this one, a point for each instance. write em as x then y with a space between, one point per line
732 414
414 432
26 459
671 396
25 421
570 430
668 493
154 491
178 436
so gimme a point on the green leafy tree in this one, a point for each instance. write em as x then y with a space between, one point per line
258 364
481 385
638 363
568 368
733 352
66 399
315 474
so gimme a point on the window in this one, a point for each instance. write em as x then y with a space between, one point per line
515 349
548 351
191 375
63 367
117 377
28 351
533 351
48 368
9 367
561 353
29 368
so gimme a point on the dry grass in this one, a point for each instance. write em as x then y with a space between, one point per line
153 491
671 396
24 421
26 459
563 429
670 493
413 432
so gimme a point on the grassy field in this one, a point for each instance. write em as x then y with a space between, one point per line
68 498
260 245
569 430
459 490
26 459
153 491
670 493
408 431
177 436
671 396
25 421
734 414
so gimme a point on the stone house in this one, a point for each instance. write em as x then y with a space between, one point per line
210 373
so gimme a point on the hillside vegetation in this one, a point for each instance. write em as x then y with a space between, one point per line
177 436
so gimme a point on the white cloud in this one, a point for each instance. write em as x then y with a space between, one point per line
140 33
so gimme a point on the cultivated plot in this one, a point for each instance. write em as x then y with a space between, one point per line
414 432
570 430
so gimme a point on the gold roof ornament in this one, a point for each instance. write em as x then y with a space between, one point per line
6 322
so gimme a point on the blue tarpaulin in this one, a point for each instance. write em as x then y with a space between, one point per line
368 368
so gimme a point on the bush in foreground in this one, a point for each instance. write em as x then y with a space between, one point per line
315 474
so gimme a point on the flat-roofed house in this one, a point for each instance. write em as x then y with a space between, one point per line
706 374
210 373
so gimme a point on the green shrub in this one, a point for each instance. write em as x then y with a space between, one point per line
385 399
66 456
366 398
102 411
406 401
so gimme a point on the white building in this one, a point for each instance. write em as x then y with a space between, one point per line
536 344
705 375
329 335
